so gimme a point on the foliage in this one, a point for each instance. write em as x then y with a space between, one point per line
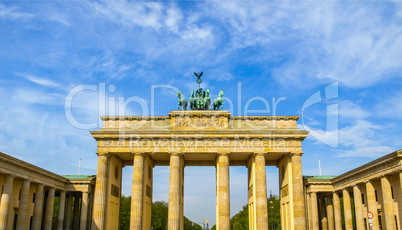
125 209
189 225
240 220
55 212
159 215
274 214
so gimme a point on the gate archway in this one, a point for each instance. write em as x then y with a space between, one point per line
208 138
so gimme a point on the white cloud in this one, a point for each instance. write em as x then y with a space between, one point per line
12 13
390 106
348 109
34 131
31 96
225 77
319 42
360 134
143 14
39 81
367 151
173 19
358 140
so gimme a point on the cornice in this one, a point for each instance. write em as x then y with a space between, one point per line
394 156
196 113
292 133
22 164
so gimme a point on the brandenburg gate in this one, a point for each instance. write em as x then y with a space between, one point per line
198 138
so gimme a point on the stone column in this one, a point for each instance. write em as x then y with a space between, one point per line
76 212
60 214
314 211
347 210
182 193
174 192
23 207
222 192
298 193
137 193
5 201
337 211
330 213
310 224
388 204
38 207
49 209
323 212
372 204
357 195
84 211
260 192
99 206
400 180
69 210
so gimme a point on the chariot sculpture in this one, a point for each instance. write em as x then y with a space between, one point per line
201 100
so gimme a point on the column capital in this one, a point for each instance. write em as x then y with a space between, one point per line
296 154
10 175
102 154
223 153
383 176
260 153
138 154
176 153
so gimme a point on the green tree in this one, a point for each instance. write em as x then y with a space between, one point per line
159 215
55 212
125 209
213 227
240 220
274 214
189 225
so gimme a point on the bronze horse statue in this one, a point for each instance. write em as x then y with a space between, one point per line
182 102
219 101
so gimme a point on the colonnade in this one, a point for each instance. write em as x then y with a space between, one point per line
381 196
26 204
141 198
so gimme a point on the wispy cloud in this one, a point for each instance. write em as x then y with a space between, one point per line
317 41
390 106
349 109
358 140
13 13
367 151
39 81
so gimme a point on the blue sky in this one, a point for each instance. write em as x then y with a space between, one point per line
282 50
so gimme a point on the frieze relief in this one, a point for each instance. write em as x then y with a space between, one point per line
201 122
249 144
